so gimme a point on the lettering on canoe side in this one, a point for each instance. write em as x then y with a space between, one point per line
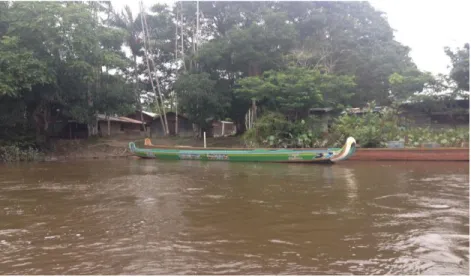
295 157
218 157
150 154
189 156
323 155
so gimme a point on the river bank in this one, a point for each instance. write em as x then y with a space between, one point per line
117 148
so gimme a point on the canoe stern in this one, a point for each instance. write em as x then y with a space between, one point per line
346 151
132 147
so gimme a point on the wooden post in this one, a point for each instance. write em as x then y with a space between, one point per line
250 119
96 126
204 139
176 117
109 126
254 111
222 129
70 130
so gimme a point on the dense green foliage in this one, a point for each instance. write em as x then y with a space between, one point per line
52 56
275 130
460 66
296 90
370 130
290 57
198 96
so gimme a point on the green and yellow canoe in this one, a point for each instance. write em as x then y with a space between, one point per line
245 154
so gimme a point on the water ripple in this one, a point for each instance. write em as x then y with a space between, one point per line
146 217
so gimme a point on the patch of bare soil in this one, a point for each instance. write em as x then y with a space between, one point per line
105 148
86 149
229 142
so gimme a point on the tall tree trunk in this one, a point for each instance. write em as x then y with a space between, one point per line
182 35
150 72
97 71
108 124
193 50
136 91
176 61
146 34
97 91
197 25
90 107
240 125
254 111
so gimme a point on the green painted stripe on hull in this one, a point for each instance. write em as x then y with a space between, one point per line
233 157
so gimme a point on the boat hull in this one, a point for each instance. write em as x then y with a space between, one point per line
246 155
413 154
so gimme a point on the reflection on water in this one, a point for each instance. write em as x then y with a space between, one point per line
148 217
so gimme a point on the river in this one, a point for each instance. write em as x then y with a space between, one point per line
190 217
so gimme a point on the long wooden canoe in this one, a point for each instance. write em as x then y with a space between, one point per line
304 155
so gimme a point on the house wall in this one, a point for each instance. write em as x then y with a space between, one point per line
421 119
120 128
324 120
416 119
70 130
418 115
185 128
229 129
444 121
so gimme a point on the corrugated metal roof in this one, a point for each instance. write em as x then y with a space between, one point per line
150 114
119 119
320 109
173 113
376 109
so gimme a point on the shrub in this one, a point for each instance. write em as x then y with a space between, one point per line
13 153
453 137
375 130
369 130
274 130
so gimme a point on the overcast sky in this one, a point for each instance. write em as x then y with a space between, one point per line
425 26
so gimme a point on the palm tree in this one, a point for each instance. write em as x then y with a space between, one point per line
126 21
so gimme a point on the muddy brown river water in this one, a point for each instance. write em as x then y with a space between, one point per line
148 217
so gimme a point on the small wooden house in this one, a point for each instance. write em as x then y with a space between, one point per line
438 115
147 117
185 127
112 126
69 128
223 128
324 115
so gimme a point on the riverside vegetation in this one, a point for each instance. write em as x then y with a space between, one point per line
370 130
213 60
